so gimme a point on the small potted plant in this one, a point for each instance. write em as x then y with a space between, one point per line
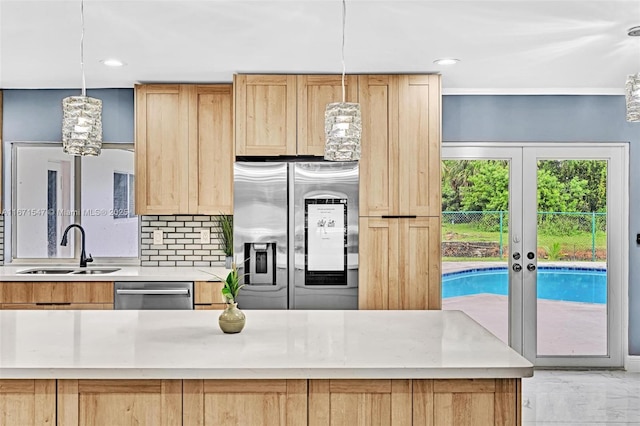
225 229
232 319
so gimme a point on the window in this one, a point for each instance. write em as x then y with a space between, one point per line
123 195
52 190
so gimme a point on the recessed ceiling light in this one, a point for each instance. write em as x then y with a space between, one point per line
113 62
446 61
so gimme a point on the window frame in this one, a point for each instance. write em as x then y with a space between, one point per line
11 201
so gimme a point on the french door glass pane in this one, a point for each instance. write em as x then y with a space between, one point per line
572 257
475 241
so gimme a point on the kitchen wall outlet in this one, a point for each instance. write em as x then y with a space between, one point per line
205 236
157 237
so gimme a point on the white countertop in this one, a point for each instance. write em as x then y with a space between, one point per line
274 344
126 273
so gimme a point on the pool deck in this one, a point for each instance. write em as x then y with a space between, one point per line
564 328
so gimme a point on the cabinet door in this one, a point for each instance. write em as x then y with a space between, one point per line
419 278
211 152
27 402
162 117
360 402
314 93
378 97
419 148
399 263
479 402
265 113
378 272
119 402
244 402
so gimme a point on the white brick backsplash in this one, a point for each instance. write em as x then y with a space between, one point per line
181 245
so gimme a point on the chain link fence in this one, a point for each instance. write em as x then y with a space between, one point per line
567 236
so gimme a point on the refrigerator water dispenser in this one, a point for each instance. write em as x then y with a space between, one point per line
260 263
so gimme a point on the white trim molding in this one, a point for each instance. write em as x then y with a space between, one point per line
632 364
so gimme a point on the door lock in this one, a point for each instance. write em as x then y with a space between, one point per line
517 267
531 267
516 256
531 255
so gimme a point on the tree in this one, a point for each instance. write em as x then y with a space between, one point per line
488 187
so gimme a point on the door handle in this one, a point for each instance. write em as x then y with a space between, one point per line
168 291
531 267
517 267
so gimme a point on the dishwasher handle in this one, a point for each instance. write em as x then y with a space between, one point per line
160 292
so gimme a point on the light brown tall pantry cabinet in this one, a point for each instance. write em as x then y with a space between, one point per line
400 192
184 149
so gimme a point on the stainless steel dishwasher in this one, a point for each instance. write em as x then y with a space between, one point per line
153 295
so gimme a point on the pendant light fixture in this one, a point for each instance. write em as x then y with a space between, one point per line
632 88
81 115
342 120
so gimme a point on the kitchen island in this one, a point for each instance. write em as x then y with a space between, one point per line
286 367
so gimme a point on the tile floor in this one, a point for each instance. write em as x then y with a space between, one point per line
590 398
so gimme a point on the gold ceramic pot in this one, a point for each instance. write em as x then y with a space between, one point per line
232 319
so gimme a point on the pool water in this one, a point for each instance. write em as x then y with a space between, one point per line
566 284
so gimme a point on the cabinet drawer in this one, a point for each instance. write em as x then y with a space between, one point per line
208 292
57 292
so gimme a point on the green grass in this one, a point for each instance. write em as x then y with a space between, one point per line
569 244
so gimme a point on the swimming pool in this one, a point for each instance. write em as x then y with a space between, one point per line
554 283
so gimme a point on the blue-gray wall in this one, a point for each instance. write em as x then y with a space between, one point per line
556 119
36 115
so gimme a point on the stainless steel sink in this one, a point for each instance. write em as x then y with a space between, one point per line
46 271
96 271
52 271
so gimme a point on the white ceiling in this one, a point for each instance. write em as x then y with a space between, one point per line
505 46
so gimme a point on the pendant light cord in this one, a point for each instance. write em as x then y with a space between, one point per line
344 21
84 90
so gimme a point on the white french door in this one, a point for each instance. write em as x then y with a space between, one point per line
564 254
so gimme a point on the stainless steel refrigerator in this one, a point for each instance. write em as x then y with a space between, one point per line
296 234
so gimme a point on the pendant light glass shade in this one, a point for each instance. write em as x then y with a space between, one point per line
81 115
632 96
343 128
342 120
81 125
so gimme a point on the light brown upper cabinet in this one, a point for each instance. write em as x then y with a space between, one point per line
314 93
284 114
400 162
184 149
